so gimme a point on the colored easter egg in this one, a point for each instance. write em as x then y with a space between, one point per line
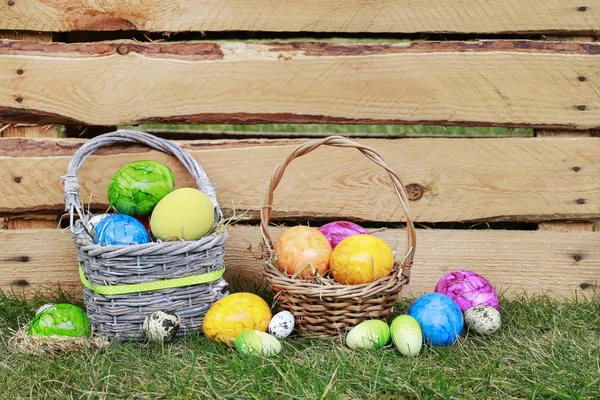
182 214
406 335
120 229
64 320
257 342
337 231
467 289
302 251
361 259
136 188
372 334
440 318
233 314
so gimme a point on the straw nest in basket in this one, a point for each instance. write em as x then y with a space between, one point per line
323 306
36 345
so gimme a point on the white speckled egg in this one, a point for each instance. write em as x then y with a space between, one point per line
161 326
282 324
482 320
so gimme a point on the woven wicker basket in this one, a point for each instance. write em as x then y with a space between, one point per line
324 307
104 267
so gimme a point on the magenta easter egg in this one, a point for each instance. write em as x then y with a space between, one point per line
337 231
467 289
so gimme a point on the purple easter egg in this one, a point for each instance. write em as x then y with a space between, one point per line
467 289
337 231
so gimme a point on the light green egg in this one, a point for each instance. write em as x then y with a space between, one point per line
407 335
257 342
373 334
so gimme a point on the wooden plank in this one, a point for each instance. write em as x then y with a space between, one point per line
496 83
20 130
566 225
457 16
532 262
507 179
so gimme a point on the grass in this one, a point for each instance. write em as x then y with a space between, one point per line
545 349
392 130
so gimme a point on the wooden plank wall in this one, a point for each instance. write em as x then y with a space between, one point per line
537 198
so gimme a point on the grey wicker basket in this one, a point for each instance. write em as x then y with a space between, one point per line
103 269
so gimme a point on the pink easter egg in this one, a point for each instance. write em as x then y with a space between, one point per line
467 289
337 231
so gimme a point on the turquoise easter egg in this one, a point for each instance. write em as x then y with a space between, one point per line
120 229
440 318
64 320
136 188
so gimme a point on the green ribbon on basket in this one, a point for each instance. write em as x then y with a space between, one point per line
156 285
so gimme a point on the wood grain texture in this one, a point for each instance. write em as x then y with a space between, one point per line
496 83
561 264
458 16
508 179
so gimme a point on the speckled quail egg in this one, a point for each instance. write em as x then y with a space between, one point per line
281 325
161 326
482 320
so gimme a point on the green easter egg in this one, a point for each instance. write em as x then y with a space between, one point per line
65 320
137 187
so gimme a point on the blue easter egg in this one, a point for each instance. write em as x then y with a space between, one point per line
120 229
440 318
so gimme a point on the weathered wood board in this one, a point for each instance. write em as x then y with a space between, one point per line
507 179
496 83
456 16
561 264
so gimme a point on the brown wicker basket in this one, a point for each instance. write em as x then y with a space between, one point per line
324 307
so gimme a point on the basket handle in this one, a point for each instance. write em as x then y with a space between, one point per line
71 179
371 154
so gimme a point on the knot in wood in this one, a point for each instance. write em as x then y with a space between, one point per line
123 49
414 191
11 3
582 9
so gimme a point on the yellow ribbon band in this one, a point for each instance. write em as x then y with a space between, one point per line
156 285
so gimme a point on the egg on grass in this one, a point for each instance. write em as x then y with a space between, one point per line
257 342
161 326
406 335
482 320
282 324
372 334
233 314
440 318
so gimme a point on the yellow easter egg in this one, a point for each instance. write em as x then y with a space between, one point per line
361 259
233 314
184 213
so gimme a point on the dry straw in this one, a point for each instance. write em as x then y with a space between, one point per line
325 307
37 345
121 315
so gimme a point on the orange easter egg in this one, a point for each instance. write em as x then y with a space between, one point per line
304 251
361 259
